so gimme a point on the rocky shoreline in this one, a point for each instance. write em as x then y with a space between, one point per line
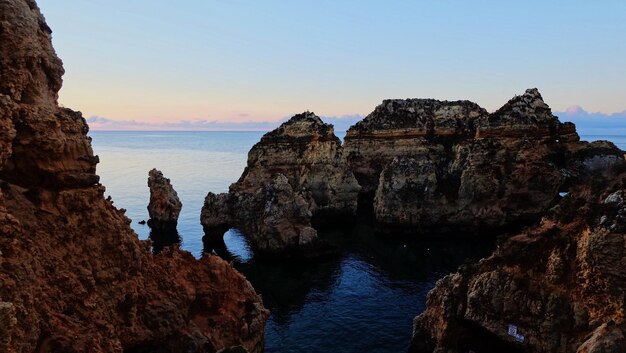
74 277
435 168
555 287
418 166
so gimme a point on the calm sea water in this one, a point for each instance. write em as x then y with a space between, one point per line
362 300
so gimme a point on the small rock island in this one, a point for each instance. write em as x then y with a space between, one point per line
164 207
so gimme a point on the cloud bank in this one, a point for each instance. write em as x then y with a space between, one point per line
96 123
588 123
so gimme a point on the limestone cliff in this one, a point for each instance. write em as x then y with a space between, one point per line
437 166
294 174
422 165
73 275
556 287
307 152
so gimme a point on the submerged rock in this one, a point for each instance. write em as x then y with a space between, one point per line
73 275
556 287
295 175
164 207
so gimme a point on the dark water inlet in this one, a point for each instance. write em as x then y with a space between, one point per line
361 300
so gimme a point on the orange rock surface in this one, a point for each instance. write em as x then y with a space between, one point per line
73 275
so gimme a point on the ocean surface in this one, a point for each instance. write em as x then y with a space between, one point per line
362 300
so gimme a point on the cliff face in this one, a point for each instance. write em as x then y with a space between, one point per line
73 275
439 165
295 173
399 128
307 152
418 164
557 287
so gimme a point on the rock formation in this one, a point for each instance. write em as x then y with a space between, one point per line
437 166
308 153
421 165
294 175
164 206
556 287
278 217
73 275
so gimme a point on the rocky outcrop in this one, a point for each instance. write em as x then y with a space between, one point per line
295 175
73 275
307 152
400 127
556 287
277 218
164 207
421 165
441 166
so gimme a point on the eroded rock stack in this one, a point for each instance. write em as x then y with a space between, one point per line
557 287
73 275
164 207
421 165
295 173
438 166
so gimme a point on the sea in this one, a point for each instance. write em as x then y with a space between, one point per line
363 299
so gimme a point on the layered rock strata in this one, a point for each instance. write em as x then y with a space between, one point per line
294 174
73 275
422 165
437 166
164 207
556 287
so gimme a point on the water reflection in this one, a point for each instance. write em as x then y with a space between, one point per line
369 292
238 249
163 238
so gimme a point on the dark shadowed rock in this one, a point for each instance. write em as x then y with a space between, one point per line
276 218
164 207
557 287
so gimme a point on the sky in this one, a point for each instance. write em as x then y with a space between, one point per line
196 63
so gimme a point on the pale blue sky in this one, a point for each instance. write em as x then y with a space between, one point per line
237 60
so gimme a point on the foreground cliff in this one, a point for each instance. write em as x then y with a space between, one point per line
73 276
557 287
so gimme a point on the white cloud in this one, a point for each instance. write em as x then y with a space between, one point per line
589 123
